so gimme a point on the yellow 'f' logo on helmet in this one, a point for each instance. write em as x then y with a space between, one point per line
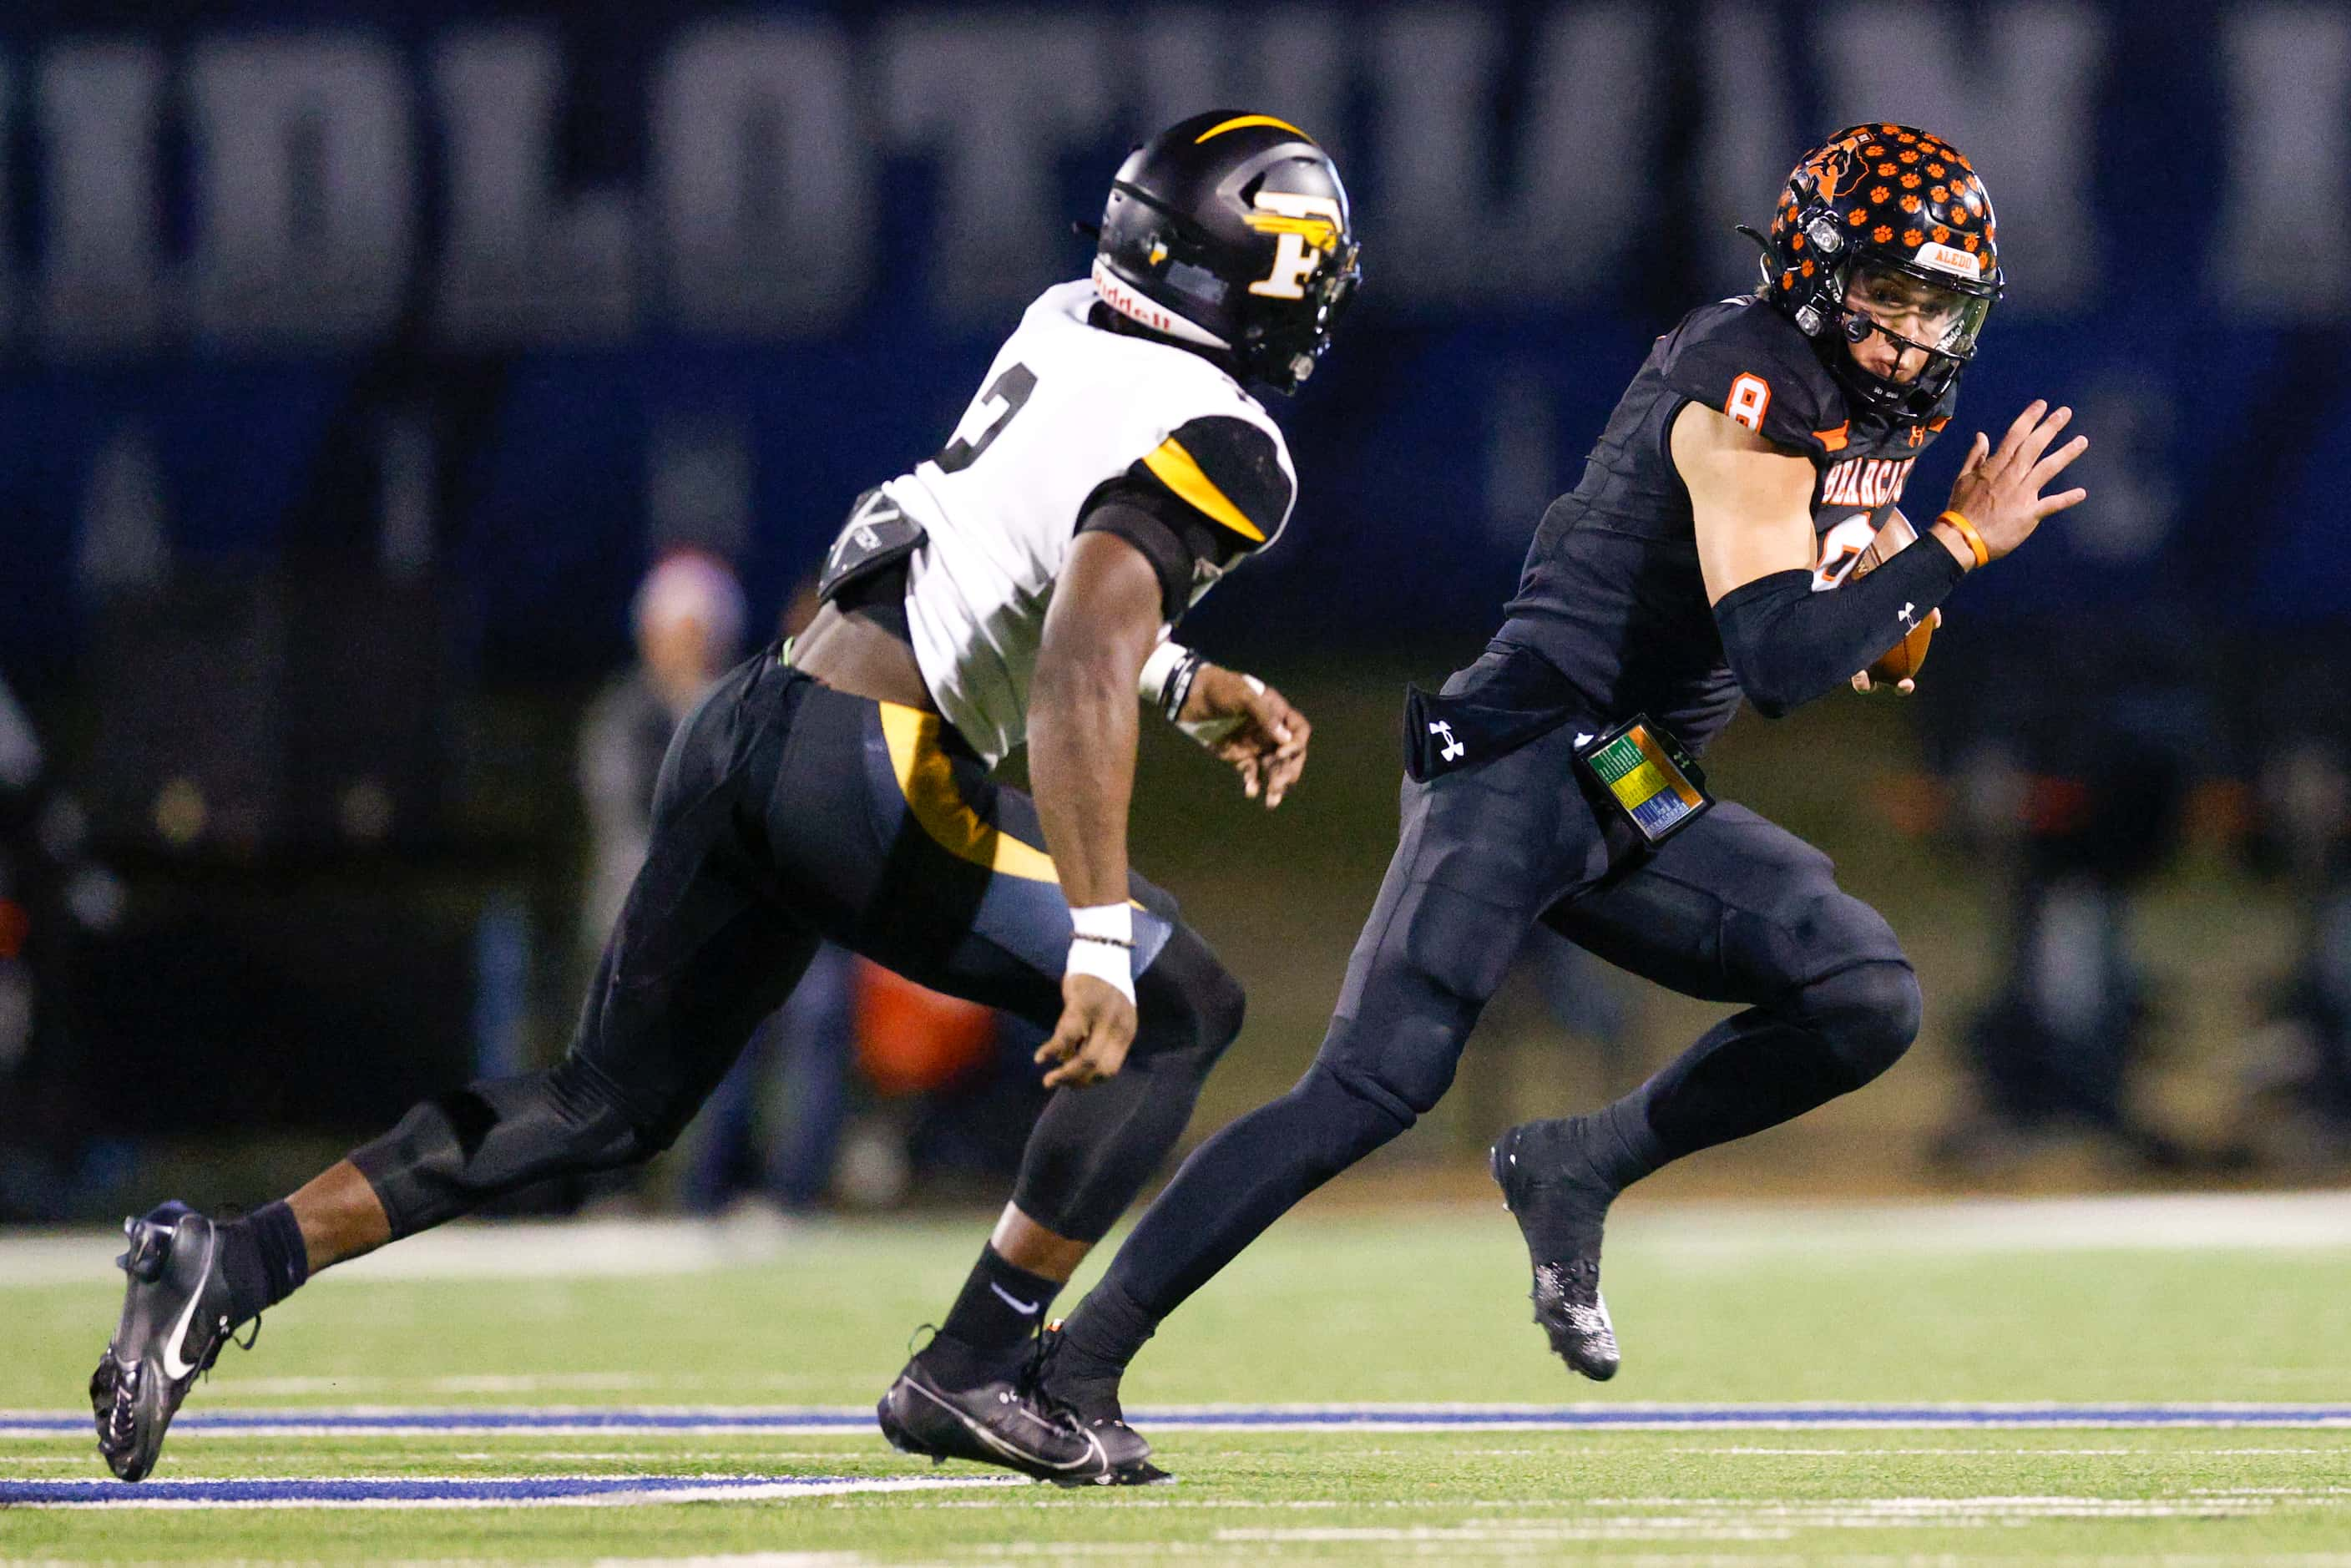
1307 229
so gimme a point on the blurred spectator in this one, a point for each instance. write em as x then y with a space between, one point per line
2301 1105
52 897
2080 789
769 1134
688 622
955 1090
771 1129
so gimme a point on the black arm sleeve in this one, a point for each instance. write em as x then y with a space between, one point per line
1788 644
1173 536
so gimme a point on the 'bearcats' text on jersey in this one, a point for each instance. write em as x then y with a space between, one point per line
1069 411
1612 593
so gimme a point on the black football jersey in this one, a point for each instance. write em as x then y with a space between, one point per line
1612 593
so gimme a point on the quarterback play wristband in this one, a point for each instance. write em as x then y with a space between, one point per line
1968 532
1179 686
1101 944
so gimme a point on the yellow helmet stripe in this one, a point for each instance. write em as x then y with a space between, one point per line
1177 469
1242 120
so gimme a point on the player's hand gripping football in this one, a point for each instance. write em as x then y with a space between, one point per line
1998 490
1267 741
1864 684
1898 534
1090 1043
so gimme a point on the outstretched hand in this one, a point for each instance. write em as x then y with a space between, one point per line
1998 490
1266 742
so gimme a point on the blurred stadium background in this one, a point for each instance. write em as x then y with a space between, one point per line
358 362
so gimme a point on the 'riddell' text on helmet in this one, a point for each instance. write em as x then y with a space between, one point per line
1231 231
1894 198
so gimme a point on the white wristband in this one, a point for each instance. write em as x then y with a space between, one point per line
1101 944
1152 685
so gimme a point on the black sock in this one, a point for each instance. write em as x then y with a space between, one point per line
1097 1341
1599 1155
991 1323
264 1260
1619 1143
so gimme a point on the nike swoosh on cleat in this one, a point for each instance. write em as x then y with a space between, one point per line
175 1366
1025 1309
1093 1444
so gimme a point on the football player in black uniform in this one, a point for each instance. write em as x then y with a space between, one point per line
1708 555
1017 587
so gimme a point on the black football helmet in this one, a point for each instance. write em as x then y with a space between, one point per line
1900 200
1231 231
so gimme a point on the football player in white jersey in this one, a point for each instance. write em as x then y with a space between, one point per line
1019 586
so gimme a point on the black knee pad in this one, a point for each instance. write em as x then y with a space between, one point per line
1868 1014
452 1154
1349 1115
1404 1065
1223 1008
1187 1001
1848 980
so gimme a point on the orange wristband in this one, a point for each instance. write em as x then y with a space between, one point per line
1968 532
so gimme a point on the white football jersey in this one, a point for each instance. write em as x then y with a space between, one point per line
1065 409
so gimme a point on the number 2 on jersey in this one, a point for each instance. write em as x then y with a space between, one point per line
1005 397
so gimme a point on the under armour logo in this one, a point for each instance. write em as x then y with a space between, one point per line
1908 615
1453 748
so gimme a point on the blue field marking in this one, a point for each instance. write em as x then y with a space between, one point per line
534 1491
819 1419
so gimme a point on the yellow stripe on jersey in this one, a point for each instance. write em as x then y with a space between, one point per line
1242 121
1175 468
926 778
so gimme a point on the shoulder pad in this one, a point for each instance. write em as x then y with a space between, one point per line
1229 470
1745 361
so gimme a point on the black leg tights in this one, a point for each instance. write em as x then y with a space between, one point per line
1770 1064
1094 1147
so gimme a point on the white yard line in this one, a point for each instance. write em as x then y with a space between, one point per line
1374 1421
537 1249
475 1250
2156 1223
742 1559
471 1492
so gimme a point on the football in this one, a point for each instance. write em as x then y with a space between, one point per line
1901 662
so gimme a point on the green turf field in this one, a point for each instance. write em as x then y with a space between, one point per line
2234 1301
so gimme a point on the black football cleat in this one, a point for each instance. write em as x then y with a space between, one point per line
994 1423
1560 1214
1574 1317
175 1318
1057 1383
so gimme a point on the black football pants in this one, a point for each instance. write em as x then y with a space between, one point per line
1731 909
788 812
